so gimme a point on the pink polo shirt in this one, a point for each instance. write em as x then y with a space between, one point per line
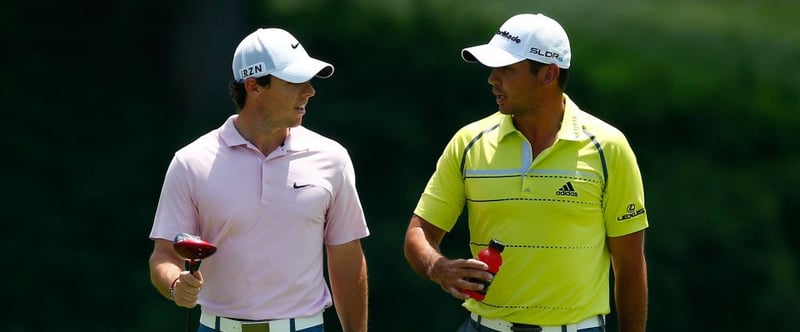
269 216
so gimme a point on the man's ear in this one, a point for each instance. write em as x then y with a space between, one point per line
549 74
251 85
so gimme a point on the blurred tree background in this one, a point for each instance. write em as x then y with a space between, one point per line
97 96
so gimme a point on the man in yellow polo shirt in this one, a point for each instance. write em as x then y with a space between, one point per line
558 187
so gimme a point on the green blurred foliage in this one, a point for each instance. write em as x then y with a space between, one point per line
98 95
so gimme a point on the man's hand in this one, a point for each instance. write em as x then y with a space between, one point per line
187 289
454 275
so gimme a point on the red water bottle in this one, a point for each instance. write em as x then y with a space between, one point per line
491 256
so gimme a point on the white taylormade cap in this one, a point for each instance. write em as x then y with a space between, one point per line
276 52
525 36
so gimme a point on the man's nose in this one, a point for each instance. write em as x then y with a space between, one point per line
493 79
308 90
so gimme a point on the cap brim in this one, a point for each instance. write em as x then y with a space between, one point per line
304 70
490 56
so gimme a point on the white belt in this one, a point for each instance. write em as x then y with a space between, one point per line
278 325
505 326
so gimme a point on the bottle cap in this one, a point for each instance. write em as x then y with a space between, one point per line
499 246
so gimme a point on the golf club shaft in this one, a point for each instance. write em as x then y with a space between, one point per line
192 265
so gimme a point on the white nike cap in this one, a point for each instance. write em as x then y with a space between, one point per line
524 36
276 52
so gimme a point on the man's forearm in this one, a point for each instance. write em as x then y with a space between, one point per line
631 302
164 267
421 256
421 246
347 269
350 298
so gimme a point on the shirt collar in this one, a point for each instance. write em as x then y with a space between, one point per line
571 124
298 139
230 135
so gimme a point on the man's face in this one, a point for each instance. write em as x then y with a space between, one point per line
514 87
285 103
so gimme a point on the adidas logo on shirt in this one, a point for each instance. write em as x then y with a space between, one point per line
567 190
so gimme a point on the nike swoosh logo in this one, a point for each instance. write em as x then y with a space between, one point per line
296 186
295 45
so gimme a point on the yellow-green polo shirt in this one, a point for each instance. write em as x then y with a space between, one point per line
553 213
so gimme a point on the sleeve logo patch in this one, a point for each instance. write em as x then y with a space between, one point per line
632 212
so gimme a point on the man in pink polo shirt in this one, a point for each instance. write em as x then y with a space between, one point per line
271 195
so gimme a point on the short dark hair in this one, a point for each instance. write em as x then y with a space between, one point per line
563 74
238 94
